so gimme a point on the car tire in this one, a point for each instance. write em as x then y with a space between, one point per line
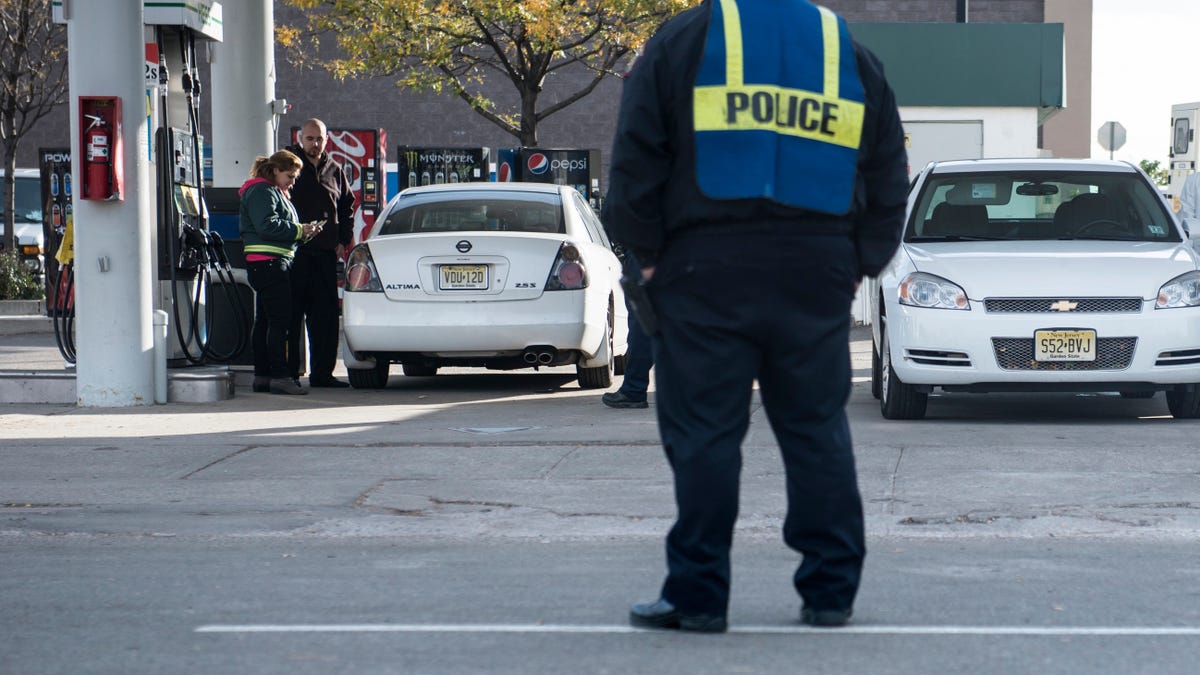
369 378
600 377
419 370
876 373
897 400
1184 401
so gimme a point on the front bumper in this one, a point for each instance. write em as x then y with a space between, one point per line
978 350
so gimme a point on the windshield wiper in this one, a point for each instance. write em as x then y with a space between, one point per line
957 237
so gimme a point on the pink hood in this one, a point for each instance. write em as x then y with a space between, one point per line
252 181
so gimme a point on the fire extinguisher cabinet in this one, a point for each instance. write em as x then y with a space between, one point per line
100 145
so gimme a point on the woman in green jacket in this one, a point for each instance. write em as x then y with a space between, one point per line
271 231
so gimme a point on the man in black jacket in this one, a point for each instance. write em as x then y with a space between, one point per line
322 193
758 173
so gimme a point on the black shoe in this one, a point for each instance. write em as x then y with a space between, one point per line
825 618
262 384
615 399
662 614
330 382
286 385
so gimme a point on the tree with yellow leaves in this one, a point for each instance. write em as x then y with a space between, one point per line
457 46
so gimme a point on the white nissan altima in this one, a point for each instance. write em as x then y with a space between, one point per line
491 275
1037 275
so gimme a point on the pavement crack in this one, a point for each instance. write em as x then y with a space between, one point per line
550 471
361 500
217 461
891 497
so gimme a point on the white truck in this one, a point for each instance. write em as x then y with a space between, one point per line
1185 147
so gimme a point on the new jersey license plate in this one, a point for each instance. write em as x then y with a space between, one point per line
1064 345
463 278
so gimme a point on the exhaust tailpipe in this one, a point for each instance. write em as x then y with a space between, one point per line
540 355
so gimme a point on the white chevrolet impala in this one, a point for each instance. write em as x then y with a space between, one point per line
1037 275
490 275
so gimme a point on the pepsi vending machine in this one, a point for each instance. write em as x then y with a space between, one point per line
578 168
362 153
434 166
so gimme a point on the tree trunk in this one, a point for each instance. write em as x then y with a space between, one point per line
528 136
10 183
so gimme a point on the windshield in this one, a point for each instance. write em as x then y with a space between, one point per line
478 211
1039 205
28 202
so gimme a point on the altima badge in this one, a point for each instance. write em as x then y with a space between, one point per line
463 246
1064 306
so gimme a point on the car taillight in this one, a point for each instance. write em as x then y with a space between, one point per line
568 272
361 275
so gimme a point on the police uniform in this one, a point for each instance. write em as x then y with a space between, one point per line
759 168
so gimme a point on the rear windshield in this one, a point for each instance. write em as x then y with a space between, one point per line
475 212
1031 205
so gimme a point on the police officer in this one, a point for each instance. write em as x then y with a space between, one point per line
321 194
758 173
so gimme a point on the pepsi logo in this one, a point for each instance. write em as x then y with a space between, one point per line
504 173
538 163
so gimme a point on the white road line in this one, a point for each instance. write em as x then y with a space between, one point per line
1033 631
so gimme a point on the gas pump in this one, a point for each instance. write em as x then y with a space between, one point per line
192 260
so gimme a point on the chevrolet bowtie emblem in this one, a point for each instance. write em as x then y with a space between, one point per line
1064 306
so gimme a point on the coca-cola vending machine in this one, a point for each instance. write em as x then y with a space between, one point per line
362 153
434 166
578 168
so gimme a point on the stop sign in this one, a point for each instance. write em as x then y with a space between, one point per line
1111 136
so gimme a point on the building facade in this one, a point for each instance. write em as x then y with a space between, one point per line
422 119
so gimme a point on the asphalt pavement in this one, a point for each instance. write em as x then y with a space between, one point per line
481 522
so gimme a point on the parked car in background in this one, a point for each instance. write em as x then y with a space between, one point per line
490 275
27 220
1037 275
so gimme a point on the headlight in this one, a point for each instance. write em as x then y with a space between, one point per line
925 290
1182 291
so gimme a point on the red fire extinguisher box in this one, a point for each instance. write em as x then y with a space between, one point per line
100 145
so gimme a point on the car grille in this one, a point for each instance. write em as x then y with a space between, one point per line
1017 354
1083 305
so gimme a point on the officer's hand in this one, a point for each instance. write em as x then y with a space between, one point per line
647 273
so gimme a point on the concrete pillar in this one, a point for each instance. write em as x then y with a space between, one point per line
113 258
242 89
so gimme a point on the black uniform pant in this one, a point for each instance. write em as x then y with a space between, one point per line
272 315
315 306
775 308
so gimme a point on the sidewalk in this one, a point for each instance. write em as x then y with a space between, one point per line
29 354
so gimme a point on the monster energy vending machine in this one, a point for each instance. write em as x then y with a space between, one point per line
433 166
578 168
362 153
58 225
